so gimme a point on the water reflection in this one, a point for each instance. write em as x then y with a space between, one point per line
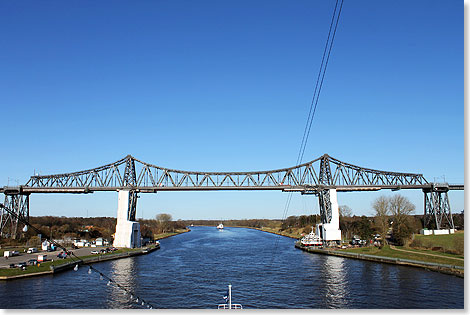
123 272
335 282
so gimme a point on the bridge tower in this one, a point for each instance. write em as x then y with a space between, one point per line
18 209
127 229
437 214
328 229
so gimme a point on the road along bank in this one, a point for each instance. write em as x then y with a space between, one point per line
52 267
442 268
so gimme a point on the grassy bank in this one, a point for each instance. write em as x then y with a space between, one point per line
418 255
292 233
450 269
451 243
168 234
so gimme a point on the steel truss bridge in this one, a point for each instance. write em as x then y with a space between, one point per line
314 177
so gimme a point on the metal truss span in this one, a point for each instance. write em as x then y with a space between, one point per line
312 176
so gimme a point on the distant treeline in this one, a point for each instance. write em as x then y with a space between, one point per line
256 223
88 228
362 226
92 228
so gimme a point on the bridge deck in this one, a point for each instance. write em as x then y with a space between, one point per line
322 173
151 189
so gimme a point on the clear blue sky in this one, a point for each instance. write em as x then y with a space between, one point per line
226 86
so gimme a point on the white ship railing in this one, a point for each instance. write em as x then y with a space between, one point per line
227 307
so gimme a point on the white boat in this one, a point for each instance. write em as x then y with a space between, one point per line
228 298
311 239
220 226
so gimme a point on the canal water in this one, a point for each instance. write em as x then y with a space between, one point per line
193 270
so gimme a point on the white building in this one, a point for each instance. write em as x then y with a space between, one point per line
45 245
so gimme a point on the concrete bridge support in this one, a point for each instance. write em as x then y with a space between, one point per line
127 229
328 230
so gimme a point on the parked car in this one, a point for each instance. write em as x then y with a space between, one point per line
102 251
62 255
32 250
21 265
94 252
33 262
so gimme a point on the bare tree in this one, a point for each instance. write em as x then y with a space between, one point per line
381 206
400 209
163 220
345 211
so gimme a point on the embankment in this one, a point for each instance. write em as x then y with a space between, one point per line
446 269
85 260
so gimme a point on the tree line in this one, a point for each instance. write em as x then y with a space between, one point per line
393 220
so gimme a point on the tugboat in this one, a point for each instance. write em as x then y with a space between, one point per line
228 298
311 239
220 226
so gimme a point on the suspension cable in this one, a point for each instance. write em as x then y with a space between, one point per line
314 103
322 79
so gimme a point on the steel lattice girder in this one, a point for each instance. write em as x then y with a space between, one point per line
19 209
132 207
131 172
437 211
325 205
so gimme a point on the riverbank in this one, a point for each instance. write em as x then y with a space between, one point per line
275 231
170 234
450 269
55 266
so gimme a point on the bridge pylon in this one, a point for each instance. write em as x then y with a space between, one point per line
18 206
437 213
328 229
127 229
